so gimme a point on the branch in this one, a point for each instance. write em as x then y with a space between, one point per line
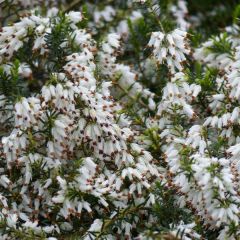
71 6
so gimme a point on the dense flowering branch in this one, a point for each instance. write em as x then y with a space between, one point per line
118 121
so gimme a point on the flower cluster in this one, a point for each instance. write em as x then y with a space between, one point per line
121 75
71 123
170 48
119 120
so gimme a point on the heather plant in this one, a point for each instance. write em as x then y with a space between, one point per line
119 119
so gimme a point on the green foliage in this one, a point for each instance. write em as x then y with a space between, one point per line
11 85
221 45
236 14
215 15
58 43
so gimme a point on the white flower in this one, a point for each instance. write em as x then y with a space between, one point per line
170 48
107 14
140 1
25 71
12 220
75 17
